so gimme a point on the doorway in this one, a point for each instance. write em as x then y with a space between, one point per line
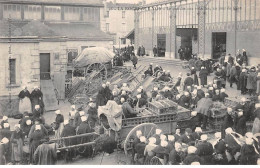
161 44
45 68
219 41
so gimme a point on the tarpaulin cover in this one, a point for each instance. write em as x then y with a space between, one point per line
110 110
93 55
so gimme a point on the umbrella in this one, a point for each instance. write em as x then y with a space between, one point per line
93 55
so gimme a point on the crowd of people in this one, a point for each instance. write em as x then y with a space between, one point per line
195 148
194 92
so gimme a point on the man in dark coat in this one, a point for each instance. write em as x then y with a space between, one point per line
92 115
101 96
195 136
200 93
128 111
227 122
175 155
248 153
245 107
205 150
37 112
223 95
185 100
185 138
243 81
108 92
46 154
155 51
216 96
139 148
134 59
240 123
188 81
177 134
220 150
244 57
6 133
192 156
203 76
69 131
135 142
37 98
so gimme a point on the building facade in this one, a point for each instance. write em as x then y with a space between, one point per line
39 40
208 28
119 21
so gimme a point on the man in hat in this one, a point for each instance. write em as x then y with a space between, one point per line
240 123
134 59
245 107
185 100
26 127
155 51
203 107
203 75
192 156
185 138
162 152
244 57
205 150
188 81
69 131
128 111
227 122
37 98
46 153
149 71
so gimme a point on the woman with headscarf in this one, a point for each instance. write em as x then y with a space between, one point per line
17 145
101 96
24 101
59 126
35 141
203 75
148 151
37 98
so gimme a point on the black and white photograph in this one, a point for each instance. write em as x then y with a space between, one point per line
129 82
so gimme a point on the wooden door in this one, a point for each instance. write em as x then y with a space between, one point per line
45 68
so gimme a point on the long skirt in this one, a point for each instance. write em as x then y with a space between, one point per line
25 105
59 131
17 151
256 126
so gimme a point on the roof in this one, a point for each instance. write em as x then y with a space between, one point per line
121 5
57 2
73 31
79 31
131 34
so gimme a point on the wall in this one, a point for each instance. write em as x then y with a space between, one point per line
26 55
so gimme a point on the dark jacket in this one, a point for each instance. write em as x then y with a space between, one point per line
45 154
192 158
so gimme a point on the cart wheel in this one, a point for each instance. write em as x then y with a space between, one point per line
155 161
148 129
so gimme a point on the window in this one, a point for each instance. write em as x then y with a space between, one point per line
107 27
123 27
12 64
123 41
123 14
107 14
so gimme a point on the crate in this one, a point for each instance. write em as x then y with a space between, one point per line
231 102
163 106
184 114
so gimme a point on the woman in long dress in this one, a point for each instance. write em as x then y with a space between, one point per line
25 102
17 145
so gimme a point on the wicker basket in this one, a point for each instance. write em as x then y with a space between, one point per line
163 107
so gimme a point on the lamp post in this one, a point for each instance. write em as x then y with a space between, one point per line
235 8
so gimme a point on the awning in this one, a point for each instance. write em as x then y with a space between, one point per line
131 34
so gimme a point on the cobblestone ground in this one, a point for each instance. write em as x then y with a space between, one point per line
118 158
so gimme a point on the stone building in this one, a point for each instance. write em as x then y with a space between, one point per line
39 40
119 21
208 28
